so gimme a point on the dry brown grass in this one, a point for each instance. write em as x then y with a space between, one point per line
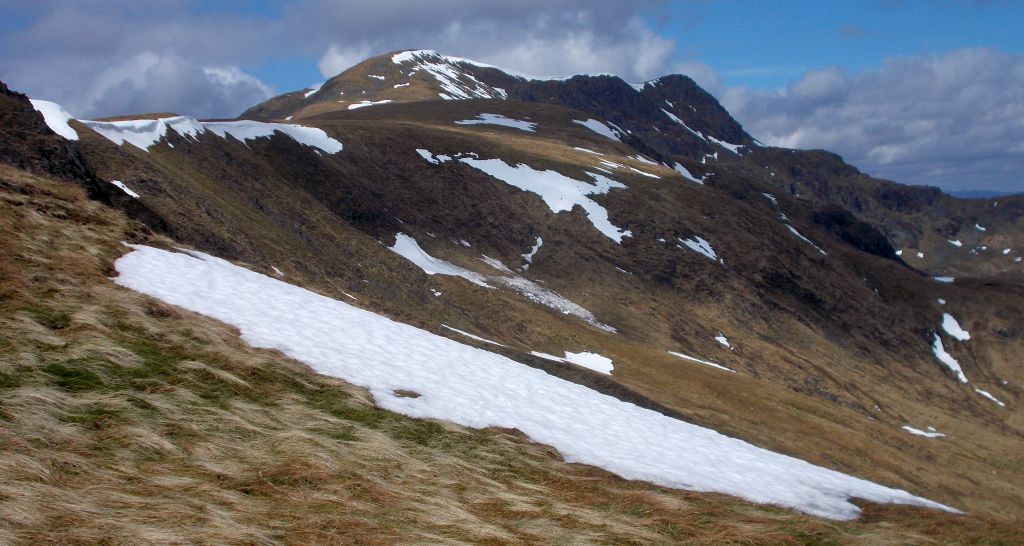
124 420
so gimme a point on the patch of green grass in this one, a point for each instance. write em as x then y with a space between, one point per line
812 538
423 433
75 375
341 434
8 381
93 417
669 529
53 319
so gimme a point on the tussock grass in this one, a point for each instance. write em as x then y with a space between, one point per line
124 420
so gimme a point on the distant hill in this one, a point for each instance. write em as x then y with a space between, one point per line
982 194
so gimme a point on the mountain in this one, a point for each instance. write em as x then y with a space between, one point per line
632 240
674 121
981 194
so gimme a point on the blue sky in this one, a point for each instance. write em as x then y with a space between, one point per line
926 91
765 44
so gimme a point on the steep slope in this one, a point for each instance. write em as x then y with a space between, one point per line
833 351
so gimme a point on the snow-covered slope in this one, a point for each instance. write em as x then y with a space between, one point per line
476 388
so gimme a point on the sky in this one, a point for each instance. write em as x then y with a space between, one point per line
917 91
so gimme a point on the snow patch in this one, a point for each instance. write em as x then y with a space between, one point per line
312 90
947 280
425 154
676 119
591 361
56 118
648 175
988 395
721 339
558 191
805 239
955 242
407 247
698 244
125 188
930 433
952 327
687 175
366 103
705 362
480 389
734 148
549 298
600 128
249 130
528 257
498 119
947 359
471 336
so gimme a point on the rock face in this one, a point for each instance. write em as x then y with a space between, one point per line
28 143
789 255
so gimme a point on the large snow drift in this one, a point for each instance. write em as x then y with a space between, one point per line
143 133
477 388
56 118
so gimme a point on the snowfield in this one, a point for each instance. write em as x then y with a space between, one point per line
476 388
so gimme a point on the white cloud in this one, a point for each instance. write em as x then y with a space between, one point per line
954 120
149 81
337 59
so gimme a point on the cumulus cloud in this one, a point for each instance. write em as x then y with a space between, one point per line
108 57
555 39
954 120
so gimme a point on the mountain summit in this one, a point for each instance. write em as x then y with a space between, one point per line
689 118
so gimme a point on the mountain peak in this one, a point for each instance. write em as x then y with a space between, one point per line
672 109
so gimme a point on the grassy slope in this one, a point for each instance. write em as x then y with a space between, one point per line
122 419
788 365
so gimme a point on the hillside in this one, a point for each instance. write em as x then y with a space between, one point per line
673 120
578 217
